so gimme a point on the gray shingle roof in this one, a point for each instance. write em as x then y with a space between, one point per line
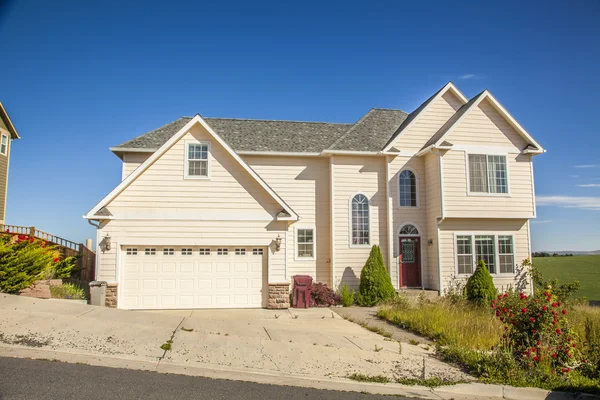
253 135
453 119
371 132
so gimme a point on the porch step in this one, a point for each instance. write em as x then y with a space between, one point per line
413 293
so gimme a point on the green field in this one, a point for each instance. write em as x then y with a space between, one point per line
585 269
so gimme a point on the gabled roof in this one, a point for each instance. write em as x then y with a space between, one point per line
8 122
251 135
290 214
466 109
371 132
413 116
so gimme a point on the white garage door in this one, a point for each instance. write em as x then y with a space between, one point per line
192 277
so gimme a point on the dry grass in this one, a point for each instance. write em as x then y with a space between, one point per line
448 323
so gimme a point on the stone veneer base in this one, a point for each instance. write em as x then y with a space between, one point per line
279 295
111 295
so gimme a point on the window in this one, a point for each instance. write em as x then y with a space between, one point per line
506 255
222 252
204 252
487 174
240 252
497 251
408 188
257 252
197 160
168 252
464 251
186 252
131 252
486 250
360 220
305 238
149 252
409 229
4 144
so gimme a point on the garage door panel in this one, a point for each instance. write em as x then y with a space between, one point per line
204 279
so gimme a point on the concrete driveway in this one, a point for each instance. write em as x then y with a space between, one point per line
313 343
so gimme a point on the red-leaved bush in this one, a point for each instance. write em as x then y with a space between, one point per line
322 296
537 330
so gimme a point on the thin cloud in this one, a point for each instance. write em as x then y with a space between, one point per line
588 166
584 203
465 77
540 221
590 185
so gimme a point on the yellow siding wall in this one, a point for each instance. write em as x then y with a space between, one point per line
516 227
428 123
303 183
353 175
131 161
402 215
433 212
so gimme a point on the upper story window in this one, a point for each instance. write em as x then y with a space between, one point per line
487 174
360 235
196 160
408 188
4 144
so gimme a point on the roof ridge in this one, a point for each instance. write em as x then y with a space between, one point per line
350 129
389 109
280 120
153 130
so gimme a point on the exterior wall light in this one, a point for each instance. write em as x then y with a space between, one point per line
105 243
278 243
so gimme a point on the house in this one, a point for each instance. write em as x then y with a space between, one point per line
217 212
7 134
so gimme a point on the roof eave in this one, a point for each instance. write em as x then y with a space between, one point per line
13 131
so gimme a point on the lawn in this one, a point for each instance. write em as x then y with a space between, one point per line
585 269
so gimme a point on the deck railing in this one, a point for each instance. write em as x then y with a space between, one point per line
32 231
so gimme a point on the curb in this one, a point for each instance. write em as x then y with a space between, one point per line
459 391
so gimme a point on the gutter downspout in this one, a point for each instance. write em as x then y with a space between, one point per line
389 215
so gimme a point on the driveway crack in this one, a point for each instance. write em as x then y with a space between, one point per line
262 348
267 332
88 311
171 339
352 342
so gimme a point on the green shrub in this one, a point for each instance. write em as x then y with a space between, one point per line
24 260
375 282
68 291
480 287
347 297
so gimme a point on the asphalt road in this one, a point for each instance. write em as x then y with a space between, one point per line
38 379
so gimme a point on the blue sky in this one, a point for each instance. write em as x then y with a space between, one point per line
77 80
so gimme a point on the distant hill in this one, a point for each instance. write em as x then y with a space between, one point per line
581 253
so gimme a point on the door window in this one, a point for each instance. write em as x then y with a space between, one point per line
408 251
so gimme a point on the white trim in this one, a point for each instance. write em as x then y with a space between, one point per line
352 152
314 231
532 191
449 86
439 258
286 266
132 150
268 274
408 223
350 244
97 248
8 150
118 272
418 206
531 285
488 193
186 169
10 123
332 218
165 147
390 222
487 95
495 234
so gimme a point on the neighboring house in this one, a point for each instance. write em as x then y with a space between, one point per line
7 134
216 212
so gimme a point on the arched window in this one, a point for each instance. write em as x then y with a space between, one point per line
408 188
409 229
360 220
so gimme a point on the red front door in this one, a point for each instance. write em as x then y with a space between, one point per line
410 262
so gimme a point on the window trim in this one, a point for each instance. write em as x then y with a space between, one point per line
314 229
486 154
186 160
495 234
4 135
350 244
418 206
